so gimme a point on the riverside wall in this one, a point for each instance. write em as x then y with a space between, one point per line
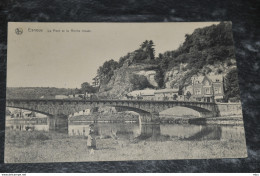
229 109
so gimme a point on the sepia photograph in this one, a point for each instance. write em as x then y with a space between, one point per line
79 92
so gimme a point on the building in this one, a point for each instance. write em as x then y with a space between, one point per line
218 87
76 96
166 94
61 96
206 88
148 95
47 97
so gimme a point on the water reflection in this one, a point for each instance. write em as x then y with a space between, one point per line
105 130
58 124
207 133
40 124
129 131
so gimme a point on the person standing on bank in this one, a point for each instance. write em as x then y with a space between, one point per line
91 142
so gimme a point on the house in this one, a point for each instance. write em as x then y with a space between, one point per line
61 96
148 95
218 87
77 96
166 94
17 113
206 88
21 113
27 113
47 97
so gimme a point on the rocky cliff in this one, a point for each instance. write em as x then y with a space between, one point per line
207 51
121 82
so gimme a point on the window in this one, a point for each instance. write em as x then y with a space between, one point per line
217 90
198 99
197 91
217 80
207 90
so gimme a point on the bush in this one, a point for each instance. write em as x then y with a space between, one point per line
234 99
140 82
219 71
159 78
231 84
229 63
41 136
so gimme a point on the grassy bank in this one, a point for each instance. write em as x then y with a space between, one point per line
28 147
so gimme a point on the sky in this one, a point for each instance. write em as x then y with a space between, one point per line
57 55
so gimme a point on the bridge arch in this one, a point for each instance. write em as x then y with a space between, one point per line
149 109
143 114
127 108
29 109
203 112
185 111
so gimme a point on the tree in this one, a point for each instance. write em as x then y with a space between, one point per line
175 97
77 91
146 51
188 95
87 88
180 92
140 82
232 87
106 71
151 49
159 78
144 44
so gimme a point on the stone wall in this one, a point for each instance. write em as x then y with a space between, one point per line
228 109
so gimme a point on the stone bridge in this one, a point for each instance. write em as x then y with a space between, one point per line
148 110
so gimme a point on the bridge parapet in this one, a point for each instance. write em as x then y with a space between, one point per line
70 106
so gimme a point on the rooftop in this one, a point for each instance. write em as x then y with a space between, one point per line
145 92
214 78
166 91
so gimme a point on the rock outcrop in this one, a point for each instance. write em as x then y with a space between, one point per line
121 84
207 51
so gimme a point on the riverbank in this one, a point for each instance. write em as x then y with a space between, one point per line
37 147
33 120
226 120
108 118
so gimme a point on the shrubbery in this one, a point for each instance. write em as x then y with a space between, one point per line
231 84
140 82
205 46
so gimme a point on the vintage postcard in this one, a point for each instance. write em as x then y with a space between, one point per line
122 91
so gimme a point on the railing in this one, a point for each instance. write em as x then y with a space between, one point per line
110 100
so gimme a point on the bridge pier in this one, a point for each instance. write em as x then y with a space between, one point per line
212 113
58 123
206 114
148 118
